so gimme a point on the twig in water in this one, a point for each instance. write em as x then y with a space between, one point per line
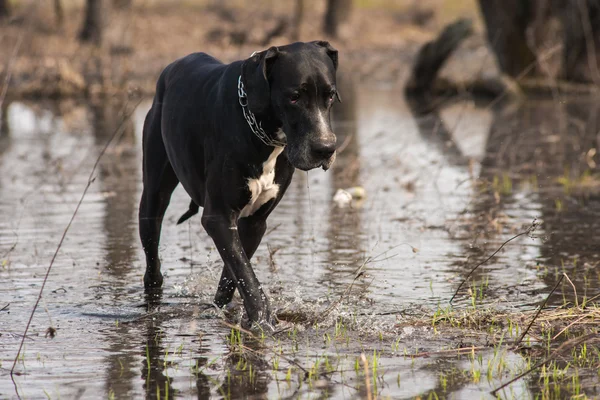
358 273
5 307
574 289
539 311
534 225
91 179
584 316
541 57
568 345
457 351
272 229
272 252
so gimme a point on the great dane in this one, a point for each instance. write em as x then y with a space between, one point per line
232 135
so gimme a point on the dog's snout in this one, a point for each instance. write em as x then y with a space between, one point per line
323 150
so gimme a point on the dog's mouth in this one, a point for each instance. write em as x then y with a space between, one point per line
307 166
326 164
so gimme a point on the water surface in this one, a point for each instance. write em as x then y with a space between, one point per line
444 191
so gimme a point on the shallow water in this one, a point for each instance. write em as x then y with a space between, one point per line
426 221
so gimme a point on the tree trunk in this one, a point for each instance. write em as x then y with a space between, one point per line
121 4
506 23
4 9
93 22
580 21
298 18
337 12
59 13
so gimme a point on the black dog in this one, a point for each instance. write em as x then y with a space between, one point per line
233 135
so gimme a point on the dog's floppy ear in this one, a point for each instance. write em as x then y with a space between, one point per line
255 77
331 52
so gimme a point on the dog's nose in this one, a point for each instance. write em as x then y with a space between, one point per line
323 150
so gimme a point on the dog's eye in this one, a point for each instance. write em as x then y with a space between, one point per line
294 97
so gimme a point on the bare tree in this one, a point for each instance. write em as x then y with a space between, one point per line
337 12
297 19
506 22
59 13
121 4
93 22
4 8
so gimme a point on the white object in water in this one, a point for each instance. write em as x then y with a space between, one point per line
343 197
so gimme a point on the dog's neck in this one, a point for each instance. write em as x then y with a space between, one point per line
265 128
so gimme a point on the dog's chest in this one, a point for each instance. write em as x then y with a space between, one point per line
263 188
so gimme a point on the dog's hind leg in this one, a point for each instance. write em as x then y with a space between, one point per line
251 231
159 182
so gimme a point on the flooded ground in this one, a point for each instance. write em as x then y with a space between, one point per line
444 191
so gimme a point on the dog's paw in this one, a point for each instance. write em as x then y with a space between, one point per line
259 328
153 281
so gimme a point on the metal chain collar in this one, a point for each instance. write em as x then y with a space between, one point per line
251 119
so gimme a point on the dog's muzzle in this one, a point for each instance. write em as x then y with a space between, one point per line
325 152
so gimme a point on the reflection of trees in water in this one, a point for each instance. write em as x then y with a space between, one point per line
433 129
156 382
344 228
4 128
530 150
119 173
549 143
249 374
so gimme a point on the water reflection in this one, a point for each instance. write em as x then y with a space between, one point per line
5 138
435 131
4 127
46 153
157 384
344 232
119 174
548 149
539 161
248 373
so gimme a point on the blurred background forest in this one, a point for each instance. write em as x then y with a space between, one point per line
93 47
96 47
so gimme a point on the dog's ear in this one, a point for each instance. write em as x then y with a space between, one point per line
255 72
331 52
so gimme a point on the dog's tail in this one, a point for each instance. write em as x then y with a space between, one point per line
193 210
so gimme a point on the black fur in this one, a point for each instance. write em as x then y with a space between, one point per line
195 134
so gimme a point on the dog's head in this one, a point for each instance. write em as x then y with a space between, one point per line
297 83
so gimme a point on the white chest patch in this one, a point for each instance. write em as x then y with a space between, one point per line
263 188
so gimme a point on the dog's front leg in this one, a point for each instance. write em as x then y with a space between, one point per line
250 230
223 229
